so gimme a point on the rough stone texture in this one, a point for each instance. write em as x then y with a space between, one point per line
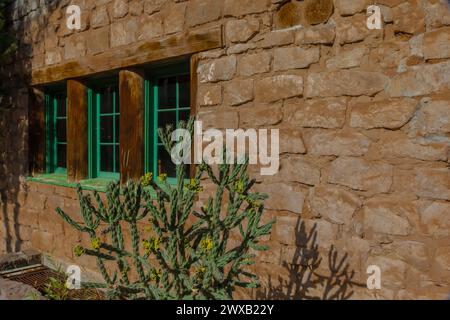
361 174
345 82
363 115
278 87
322 113
389 114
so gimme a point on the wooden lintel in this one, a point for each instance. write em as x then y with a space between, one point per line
131 55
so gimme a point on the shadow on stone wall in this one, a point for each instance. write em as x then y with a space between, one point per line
15 75
309 277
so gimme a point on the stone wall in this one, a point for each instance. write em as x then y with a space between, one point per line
364 117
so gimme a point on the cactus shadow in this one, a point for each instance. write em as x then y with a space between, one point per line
309 277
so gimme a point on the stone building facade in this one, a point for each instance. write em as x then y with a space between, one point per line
364 120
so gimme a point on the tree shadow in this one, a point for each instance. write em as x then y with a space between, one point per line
308 279
15 92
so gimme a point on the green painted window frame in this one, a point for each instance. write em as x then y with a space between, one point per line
151 112
94 140
51 139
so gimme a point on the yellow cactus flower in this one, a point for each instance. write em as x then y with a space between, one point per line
155 274
96 243
146 180
206 244
162 177
78 251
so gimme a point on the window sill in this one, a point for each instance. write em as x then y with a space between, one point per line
58 179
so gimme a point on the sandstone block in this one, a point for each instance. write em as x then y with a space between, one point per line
337 143
260 115
323 113
241 30
203 11
350 7
221 69
360 174
345 82
275 88
435 218
390 114
320 34
409 17
436 44
253 64
291 141
334 203
388 217
433 183
98 41
238 92
433 118
238 8
99 17
283 196
349 56
295 58
421 80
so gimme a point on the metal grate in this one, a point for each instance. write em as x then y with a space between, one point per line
38 277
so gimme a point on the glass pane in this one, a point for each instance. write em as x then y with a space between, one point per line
61 156
167 117
184 115
117 100
61 130
165 164
106 128
61 107
117 158
106 158
167 93
117 128
106 100
184 91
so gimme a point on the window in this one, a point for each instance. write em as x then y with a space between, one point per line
167 102
56 132
104 123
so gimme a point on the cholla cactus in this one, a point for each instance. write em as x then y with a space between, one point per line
183 253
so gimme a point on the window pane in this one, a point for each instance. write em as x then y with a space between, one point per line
61 130
165 118
106 100
61 156
167 93
165 164
184 91
106 158
117 117
61 108
184 115
117 158
106 128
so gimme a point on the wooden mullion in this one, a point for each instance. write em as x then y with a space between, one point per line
131 135
77 131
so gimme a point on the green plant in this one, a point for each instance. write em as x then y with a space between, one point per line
56 289
182 253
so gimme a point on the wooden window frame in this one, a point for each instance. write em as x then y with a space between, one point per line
94 143
151 111
51 139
